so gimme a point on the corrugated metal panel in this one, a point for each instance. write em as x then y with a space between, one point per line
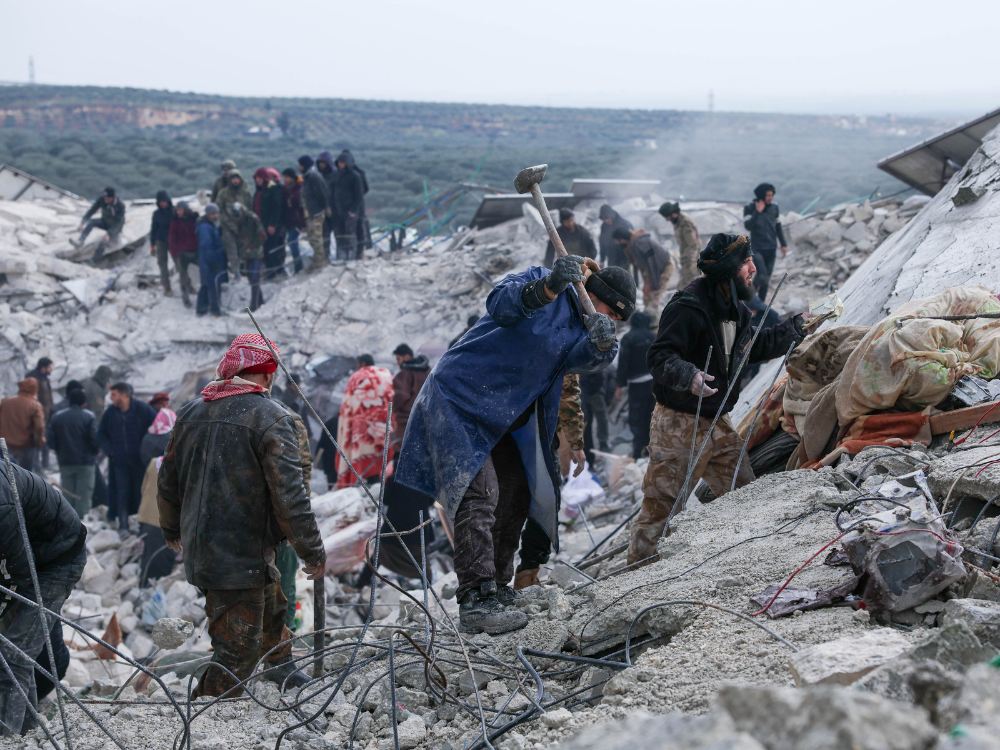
496 209
16 184
929 165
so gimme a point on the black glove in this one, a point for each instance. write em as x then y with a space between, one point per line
601 329
565 271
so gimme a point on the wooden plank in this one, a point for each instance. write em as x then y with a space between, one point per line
963 419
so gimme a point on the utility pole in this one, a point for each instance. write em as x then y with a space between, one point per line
31 69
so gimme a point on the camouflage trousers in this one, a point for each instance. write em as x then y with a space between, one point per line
651 297
244 625
314 235
689 264
669 451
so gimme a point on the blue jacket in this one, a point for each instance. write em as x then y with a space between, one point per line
512 358
210 249
121 433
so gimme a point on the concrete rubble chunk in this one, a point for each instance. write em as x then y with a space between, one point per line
845 660
412 732
641 731
825 718
556 718
103 540
982 617
171 632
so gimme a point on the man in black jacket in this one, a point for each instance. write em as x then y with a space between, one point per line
230 489
711 311
762 217
316 205
112 220
72 434
575 238
348 195
159 238
58 549
611 254
633 373
327 167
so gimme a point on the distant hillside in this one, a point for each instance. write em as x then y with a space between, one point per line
142 140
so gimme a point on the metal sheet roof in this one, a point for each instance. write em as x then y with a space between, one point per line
613 189
16 184
496 209
929 165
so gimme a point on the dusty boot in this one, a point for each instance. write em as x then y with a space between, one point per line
525 578
480 611
507 596
287 676
167 291
319 262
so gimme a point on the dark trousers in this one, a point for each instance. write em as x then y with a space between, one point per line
209 292
764 260
329 228
125 491
641 403
274 255
26 458
43 685
489 519
244 624
346 234
100 488
293 246
183 261
536 547
21 624
595 409
252 269
157 558
163 261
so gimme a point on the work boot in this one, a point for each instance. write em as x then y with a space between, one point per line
507 596
480 611
525 578
167 291
287 676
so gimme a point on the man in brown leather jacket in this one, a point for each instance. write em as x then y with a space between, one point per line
231 487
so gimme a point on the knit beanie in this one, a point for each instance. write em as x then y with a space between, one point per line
723 256
306 161
109 191
614 287
668 209
289 172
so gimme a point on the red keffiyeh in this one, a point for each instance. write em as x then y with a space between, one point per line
247 354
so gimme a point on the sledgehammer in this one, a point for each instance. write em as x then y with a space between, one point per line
529 180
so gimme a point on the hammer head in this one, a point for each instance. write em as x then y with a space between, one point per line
528 177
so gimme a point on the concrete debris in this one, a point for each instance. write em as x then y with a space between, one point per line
844 660
170 632
982 617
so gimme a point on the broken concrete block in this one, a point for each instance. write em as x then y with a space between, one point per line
556 718
825 718
977 702
103 540
983 617
854 233
641 731
171 632
565 577
77 674
412 732
962 197
465 682
140 644
845 660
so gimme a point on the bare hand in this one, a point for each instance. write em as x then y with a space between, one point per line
152 250
175 545
618 394
579 458
316 572
699 385
784 251
760 206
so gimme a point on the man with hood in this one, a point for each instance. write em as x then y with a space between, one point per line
220 181
211 261
710 311
479 436
364 228
688 241
611 254
648 257
250 242
269 205
633 375
295 218
22 424
112 220
575 238
347 197
327 168
182 239
235 190
763 218
230 489
159 238
316 204
406 384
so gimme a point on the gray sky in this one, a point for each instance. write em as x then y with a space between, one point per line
846 57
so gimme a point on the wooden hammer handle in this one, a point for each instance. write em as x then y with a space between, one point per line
536 192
